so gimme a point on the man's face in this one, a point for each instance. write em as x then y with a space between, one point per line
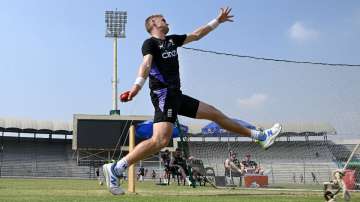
247 158
178 153
160 23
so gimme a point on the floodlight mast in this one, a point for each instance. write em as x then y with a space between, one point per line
115 28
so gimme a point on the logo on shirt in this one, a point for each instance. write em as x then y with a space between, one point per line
168 49
166 44
169 54
171 43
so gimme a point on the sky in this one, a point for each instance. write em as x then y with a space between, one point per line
55 61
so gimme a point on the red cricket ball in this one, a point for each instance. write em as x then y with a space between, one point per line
124 97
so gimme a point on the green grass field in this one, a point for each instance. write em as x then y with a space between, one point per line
89 190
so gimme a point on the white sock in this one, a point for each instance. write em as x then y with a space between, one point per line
258 135
121 166
188 181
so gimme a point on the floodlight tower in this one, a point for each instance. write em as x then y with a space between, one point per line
115 28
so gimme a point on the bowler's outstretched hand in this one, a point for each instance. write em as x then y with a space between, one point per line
225 16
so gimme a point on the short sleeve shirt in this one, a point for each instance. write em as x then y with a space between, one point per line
249 163
164 72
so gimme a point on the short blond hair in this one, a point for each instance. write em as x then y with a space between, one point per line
148 24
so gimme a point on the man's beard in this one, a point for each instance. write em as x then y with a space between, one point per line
165 30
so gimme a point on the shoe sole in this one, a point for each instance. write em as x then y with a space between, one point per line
107 181
272 139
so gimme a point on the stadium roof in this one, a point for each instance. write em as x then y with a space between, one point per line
291 129
33 126
301 128
55 127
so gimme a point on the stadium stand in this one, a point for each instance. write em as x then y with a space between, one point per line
40 158
26 153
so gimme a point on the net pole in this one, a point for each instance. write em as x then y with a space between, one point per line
352 154
185 149
183 146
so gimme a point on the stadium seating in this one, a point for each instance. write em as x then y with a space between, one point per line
286 162
40 159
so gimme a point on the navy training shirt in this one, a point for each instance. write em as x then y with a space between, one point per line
164 72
